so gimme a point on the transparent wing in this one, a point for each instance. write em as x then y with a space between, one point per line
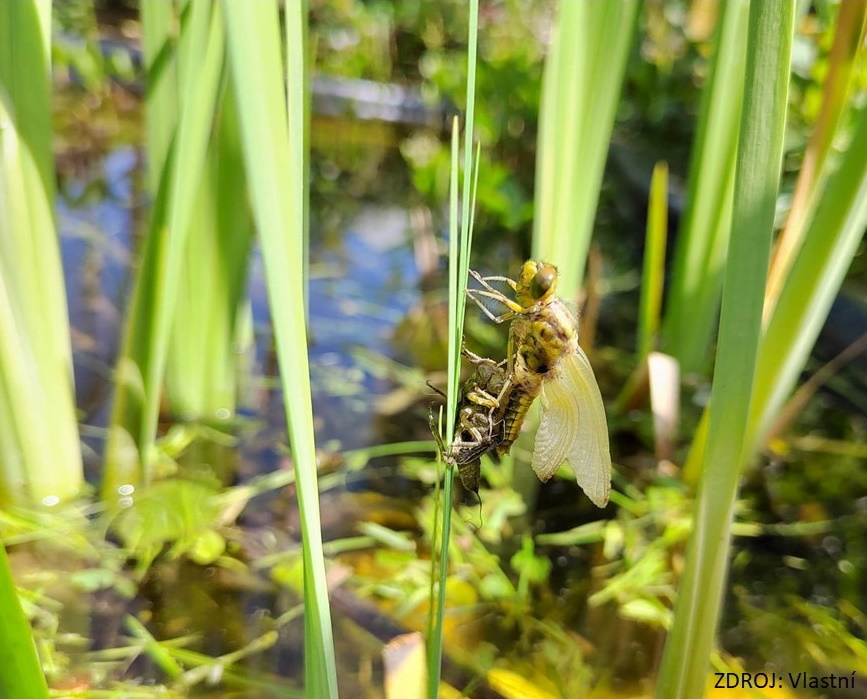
573 428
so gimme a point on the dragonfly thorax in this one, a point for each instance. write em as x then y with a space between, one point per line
543 338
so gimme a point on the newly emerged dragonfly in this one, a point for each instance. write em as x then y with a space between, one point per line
544 358
480 425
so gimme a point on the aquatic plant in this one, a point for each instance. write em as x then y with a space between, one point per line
36 388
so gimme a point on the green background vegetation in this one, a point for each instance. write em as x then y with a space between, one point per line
212 524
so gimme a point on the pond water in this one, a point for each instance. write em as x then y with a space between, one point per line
362 285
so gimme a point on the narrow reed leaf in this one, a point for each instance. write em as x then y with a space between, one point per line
435 617
467 196
159 47
279 208
652 283
203 360
848 42
201 364
20 672
456 302
760 150
25 76
702 242
460 244
435 641
580 91
298 79
830 244
36 388
653 276
141 364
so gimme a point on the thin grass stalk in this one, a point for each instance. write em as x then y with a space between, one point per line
760 150
580 92
433 592
702 242
467 198
153 649
653 276
652 283
460 244
36 389
298 74
848 43
435 640
277 197
141 366
298 124
20 671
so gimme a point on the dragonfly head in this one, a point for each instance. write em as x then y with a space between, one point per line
537 281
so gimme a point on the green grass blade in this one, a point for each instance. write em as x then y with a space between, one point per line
279 210
467 198
848 42
456 307
25 74
36 387
202 362
435 639
580 92
699 263
460 244
653 276
20 672
146 337
686 659
830 244
202 366
158 21
298 78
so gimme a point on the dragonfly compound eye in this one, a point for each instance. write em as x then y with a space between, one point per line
543 280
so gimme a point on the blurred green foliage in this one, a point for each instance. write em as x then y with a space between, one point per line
412 43
419 44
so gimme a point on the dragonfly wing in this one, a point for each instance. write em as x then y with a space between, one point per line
573 428
558 428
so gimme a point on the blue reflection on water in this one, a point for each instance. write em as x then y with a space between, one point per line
359 292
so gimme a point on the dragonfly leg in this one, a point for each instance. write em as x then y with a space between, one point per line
435 430
513 307
510 352
483 398
485 281
477 359
435 390
490 292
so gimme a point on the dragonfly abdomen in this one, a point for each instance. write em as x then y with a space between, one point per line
520 399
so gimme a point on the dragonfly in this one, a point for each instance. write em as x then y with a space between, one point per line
544 358
480 425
